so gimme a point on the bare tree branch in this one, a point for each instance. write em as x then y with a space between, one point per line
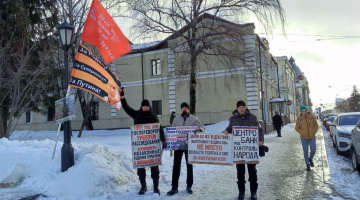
200 29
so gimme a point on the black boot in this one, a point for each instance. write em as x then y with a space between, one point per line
253 196
156 186
189 190
241 195
172 191
143 188
308 167
311 162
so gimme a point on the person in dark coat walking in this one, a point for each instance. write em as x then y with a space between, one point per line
242 117
277 123
144 116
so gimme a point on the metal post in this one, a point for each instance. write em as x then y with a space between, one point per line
67 150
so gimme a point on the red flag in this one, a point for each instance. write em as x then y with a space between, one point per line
101 31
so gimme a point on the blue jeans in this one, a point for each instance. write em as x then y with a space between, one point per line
305 144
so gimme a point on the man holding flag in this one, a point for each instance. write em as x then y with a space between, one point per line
145 116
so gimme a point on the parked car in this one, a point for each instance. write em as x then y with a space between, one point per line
341 130
355 147
326 118
329 121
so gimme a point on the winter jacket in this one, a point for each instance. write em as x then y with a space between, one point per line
247 119
143 117
306 126
277 121
188 120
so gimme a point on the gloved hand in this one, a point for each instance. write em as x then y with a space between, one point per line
122 93
197 130
164 145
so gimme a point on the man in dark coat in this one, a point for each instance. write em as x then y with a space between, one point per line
277 123
144 116
242 117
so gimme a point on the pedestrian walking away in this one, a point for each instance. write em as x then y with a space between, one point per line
277 123
144 116
242 117
185 119
307 126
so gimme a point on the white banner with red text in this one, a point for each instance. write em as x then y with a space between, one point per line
146 145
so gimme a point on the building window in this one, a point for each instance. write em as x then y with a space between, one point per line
28 118
156 107
155 67
50 114
94 110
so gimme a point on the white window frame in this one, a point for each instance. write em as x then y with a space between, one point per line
155 68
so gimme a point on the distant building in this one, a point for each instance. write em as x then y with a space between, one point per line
302 86
152 71
287 90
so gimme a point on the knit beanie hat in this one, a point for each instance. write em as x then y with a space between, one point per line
240 103
303 108
184 104
145 102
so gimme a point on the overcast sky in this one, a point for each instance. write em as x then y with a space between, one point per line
330 64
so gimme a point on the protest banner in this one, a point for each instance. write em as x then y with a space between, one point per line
65 109
213 149
146 145
246 144
177 137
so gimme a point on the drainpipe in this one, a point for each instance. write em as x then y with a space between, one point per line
278 83
261 86
142 75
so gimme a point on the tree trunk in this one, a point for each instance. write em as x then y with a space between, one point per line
3 126
85 111
193 87
193 57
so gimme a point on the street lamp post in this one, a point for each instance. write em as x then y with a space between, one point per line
67 150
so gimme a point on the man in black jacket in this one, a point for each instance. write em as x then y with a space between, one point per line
242 117
277 123
145 116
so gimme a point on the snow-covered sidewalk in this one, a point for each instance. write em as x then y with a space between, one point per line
103 169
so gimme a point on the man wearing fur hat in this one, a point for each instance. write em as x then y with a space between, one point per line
144 116
307 126
184 119
242 117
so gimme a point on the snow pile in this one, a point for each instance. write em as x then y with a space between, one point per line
97 170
